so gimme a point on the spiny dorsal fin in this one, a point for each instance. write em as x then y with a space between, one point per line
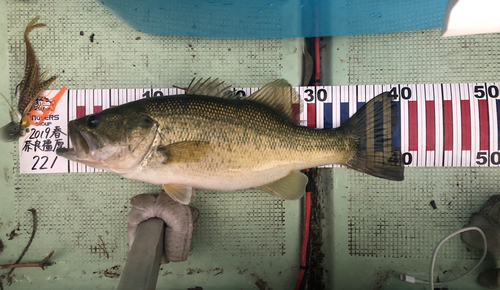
213 88
280 95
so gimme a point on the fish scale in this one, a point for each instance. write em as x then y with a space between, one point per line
231 127
224 143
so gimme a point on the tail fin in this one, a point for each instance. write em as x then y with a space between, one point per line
378 153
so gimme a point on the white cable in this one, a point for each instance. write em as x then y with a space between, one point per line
411 279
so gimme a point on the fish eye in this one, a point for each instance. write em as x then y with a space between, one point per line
92 121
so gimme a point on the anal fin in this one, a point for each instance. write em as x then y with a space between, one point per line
292 186
179 192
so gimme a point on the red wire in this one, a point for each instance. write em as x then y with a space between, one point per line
305 240
316 61
307 215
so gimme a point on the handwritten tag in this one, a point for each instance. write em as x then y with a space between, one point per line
38 147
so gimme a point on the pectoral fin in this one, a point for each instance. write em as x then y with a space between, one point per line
292 186
179 192
184 152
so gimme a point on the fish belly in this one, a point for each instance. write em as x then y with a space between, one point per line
224 180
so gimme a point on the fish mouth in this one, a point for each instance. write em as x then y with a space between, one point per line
84 145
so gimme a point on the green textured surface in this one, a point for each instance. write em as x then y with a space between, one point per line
373 229
242 240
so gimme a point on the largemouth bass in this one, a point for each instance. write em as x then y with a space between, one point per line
220 142
30 89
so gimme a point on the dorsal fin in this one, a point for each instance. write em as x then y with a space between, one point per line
213 88
280 95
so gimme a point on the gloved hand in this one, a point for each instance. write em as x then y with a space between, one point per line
179 219
488 220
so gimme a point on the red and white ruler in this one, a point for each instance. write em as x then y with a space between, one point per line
441 124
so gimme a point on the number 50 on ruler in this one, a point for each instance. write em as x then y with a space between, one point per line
441 124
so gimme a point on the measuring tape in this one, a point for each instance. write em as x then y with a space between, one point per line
441 124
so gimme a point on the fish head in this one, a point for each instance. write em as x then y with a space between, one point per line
113 140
